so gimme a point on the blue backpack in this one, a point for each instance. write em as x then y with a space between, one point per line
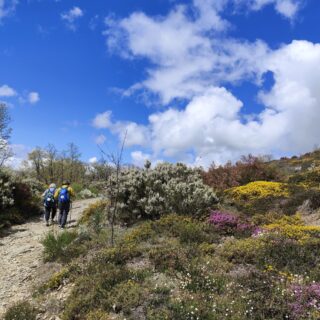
64 196
49 200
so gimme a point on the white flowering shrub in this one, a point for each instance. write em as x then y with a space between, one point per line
86 194
6 191
18 200
35 185
168 188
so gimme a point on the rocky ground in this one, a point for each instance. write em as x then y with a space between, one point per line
21 257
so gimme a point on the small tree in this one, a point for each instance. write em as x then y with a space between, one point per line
114 185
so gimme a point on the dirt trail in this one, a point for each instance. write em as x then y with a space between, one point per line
21 256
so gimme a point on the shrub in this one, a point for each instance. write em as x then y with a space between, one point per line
34 185
17 200
186 229
93 291
77 187
119 255
309 178
293 228
291 205
259 196
6 191
169 258
86 194
21 311
126 296
305 301
141 233
168 188
56 246
230 224
95 208
202 277
248 169
98 315
273 249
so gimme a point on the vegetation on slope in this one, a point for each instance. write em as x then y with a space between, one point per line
250 257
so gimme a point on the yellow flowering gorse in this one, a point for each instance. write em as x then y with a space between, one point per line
259 190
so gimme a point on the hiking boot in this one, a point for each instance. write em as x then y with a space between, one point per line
47 223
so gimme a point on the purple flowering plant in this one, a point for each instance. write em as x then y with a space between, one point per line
306 300
229 223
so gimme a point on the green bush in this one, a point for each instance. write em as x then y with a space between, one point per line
169 257
126 296
77 187
291 205
274 249
56 246
21 311
93 290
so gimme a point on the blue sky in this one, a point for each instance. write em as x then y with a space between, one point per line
194 81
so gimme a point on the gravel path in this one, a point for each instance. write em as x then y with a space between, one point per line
21 256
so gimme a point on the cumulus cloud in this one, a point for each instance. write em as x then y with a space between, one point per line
71 17
192 59
33 97
185 60
191 51
211 126
133 133
6 91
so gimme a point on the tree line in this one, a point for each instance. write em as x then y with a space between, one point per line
51 165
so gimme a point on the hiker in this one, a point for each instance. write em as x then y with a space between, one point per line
64 195
50 203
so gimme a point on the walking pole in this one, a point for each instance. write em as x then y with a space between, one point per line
70 212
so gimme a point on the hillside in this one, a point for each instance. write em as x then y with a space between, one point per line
253 255
298 164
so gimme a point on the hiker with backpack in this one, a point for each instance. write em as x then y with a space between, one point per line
50 203
64 195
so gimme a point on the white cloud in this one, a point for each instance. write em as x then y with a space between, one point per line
71 17
139 158
133 133
102 120
186 61
287 8
20 152
6 91
101 139
7 7
191 51
211 128
33 97
192 59
93 160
